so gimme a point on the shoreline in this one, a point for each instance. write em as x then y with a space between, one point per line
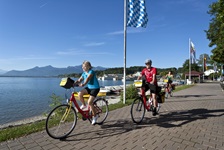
112 99
23 121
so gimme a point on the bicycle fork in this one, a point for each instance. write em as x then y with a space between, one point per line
66 112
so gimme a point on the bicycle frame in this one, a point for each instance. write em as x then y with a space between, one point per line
62 119
168 88
85 113
144 98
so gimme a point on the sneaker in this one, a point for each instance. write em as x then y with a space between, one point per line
83 107
154 112
94 120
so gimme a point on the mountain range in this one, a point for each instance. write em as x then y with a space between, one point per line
2 71
48 71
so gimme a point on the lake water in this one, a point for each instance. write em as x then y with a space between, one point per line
22 97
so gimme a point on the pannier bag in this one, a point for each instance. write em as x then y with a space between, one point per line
67 83
173 86
161 97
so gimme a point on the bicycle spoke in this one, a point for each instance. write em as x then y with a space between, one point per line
61 121
137 110
102 110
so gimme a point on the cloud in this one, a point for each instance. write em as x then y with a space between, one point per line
81 52
68 52
36 58
43 5
26 58
94 44
129 30
116 33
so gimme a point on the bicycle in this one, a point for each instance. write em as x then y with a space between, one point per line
140 104
169 90
62 120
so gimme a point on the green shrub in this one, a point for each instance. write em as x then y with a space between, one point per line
131 92
55 100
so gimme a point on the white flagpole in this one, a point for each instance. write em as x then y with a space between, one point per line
125 28
189 60
203 67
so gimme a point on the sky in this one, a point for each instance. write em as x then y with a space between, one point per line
64 33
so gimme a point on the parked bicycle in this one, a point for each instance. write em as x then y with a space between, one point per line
140 104
62 120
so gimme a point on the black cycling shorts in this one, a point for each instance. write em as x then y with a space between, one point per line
92 92
169 81
153 88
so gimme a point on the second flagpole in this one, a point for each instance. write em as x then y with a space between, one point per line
189 78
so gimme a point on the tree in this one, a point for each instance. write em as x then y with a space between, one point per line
202 58
185 68
201 61
215 33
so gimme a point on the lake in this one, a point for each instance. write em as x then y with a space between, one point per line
25 97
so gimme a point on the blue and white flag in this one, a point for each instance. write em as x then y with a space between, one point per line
136 14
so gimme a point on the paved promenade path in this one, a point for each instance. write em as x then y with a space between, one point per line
193 119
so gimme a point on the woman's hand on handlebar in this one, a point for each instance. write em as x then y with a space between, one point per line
76 83
81 84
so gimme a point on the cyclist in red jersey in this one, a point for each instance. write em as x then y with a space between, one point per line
149 81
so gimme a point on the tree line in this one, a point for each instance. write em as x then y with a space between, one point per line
180 72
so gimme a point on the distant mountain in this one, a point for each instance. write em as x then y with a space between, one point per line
48 71
2 71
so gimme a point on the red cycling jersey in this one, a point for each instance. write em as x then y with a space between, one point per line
149 74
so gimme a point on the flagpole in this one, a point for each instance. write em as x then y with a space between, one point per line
125 32
189 61
203 67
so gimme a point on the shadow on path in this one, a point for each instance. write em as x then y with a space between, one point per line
179 118
109 128
187 96
166 120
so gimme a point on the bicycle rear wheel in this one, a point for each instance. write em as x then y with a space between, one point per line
101 107
61 121
137 110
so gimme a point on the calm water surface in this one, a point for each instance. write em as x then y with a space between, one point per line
22 97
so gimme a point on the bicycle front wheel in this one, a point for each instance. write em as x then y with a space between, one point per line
137 110
61 121
101 107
